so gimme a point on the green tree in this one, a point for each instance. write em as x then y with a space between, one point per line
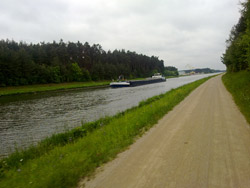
76 73
22 63
237 54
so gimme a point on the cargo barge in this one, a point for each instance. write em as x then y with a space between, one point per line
132 83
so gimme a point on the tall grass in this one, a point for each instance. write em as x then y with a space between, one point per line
238 84
63 165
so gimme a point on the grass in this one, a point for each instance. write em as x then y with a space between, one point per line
68 160
48 87
60 139
238 84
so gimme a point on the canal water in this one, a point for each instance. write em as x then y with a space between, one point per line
27 119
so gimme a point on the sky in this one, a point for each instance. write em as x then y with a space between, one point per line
183 33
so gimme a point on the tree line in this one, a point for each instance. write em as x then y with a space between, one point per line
237 55
203 70
170 71
56 62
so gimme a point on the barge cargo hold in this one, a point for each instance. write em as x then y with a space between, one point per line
132 83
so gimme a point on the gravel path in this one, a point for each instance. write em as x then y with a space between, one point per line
203 142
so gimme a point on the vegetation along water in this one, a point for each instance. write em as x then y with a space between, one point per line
28 118
50 87
64 158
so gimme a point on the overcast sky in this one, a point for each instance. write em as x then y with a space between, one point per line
183 33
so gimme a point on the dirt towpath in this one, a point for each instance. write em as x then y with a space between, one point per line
203 142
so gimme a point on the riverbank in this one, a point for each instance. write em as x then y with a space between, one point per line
238 84
50 87
63 159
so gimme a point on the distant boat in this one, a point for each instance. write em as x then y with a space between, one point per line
154 79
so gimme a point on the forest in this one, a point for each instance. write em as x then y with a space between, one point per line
56 62
237 55
202 70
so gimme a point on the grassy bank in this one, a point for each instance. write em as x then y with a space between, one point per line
48 87
238 84
68 157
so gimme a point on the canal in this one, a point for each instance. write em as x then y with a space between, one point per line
26 119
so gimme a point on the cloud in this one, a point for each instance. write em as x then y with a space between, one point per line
180 32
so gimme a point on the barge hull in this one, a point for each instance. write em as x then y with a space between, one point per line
119 84
116 86
144 82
